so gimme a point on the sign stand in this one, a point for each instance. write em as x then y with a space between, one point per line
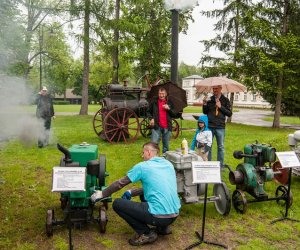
69 179
205 172
287 202
287 160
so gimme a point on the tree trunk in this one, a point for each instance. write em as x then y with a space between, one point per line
276 121
115 56
86 60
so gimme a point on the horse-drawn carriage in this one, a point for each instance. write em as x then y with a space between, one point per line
122 115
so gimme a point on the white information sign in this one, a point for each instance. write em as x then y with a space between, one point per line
66 179
288 159
206 172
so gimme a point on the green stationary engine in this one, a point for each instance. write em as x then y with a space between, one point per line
259 166
76 204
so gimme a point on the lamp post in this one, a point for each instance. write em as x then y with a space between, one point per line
174 48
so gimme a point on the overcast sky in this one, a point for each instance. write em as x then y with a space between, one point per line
190 48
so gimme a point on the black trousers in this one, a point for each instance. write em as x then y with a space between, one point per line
136 214
43 139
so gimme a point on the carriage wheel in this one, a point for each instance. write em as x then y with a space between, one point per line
175 129
281 194
97 121
146 128
121 124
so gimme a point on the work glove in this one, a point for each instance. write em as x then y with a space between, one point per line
127 195
96 196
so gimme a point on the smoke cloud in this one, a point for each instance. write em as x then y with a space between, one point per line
180 4
15 121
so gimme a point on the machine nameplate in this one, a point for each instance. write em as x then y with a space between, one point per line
206 172
288 159
65 179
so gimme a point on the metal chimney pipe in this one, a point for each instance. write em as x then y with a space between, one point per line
174 47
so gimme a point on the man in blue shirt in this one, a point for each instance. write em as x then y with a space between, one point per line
161 205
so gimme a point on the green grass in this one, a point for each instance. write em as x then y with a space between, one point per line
285 120
25 191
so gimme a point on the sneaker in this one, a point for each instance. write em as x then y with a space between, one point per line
142 239
163 230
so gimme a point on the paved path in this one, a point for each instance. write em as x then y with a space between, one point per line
252 117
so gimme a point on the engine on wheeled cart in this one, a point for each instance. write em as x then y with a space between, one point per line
76 205
193 193
259 167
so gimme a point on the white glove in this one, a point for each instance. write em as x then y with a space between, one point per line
96 196
53 117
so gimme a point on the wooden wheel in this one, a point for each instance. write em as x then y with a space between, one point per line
98 121
175 129
121 124
146 128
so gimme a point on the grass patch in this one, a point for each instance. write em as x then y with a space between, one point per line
293 120
25 192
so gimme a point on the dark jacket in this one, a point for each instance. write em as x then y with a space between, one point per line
152 112
217 121
44 108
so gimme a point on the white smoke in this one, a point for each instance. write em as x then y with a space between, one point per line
15 121
180 4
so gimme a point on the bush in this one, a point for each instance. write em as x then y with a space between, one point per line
61 102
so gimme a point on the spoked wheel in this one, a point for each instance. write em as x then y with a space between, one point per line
175 129
239 201
223 202
98 121
146 128
121 124
49 220
102 219
282 192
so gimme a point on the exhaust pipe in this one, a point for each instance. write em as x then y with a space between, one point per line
66 152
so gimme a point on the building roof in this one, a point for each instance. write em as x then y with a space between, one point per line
69 95
193 77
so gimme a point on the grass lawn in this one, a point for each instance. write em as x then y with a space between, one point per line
26 180
285 119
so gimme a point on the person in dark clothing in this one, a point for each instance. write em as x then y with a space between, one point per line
44 111
217 108
160 112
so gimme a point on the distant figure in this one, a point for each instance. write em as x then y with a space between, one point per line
160 112
217 108
44 111
203 138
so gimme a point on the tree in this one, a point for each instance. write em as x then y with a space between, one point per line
274 55
232 39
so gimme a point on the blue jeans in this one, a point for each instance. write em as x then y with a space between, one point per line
219 133
166 135
136 214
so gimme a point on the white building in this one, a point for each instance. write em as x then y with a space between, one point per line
241 99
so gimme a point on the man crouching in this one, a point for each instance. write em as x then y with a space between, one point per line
160 206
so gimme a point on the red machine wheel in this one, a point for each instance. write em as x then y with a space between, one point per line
145 128
121 124
175 129
102 219
283 176
98 121
281 192
239 201
49 219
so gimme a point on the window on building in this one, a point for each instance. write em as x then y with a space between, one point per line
245 96
254 96
236 96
